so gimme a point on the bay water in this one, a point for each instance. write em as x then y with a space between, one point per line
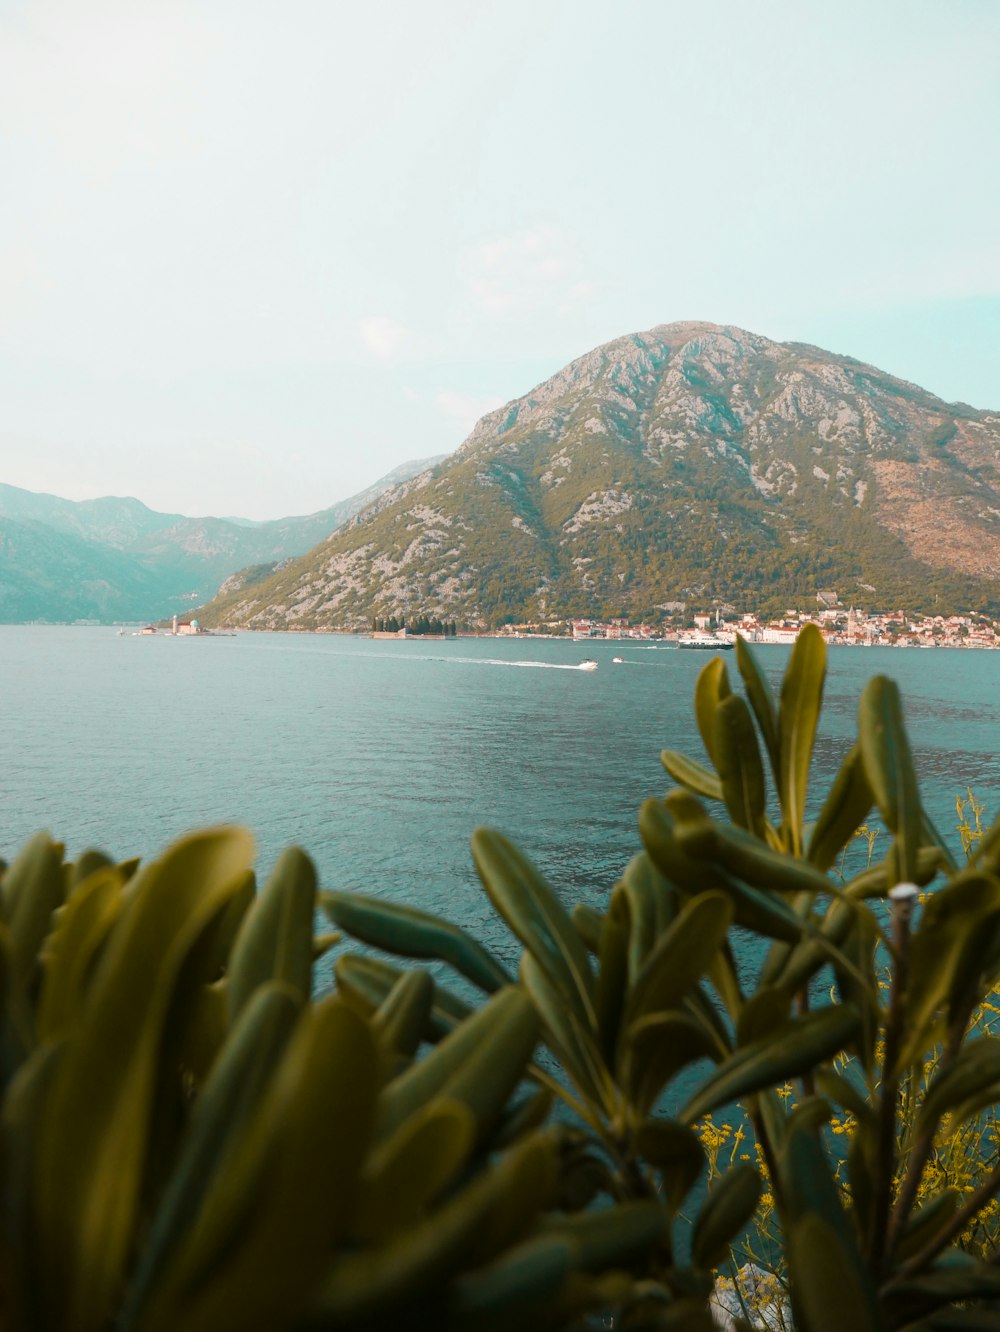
380 757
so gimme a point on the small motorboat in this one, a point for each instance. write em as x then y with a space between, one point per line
618 660
588 665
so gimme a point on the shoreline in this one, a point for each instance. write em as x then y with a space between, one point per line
231 632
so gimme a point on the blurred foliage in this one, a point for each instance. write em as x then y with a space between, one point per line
752 1051
189 1140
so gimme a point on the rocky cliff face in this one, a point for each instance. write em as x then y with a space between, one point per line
689 462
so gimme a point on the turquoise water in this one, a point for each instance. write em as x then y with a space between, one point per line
380 757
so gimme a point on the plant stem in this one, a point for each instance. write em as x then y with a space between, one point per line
955 1226
921 1149
902 897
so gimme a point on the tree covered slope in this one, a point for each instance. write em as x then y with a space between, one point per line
691 462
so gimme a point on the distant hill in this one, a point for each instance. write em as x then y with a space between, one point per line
691 462
115 559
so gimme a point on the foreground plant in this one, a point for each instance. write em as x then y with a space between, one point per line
188 1138
190 1141
731 939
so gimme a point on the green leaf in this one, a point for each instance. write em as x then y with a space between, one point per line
763 912
215 950
812 1200
965 1279
322 943
692 776
486 1080
957 921
800 1047
488 1216
711 687
841 1091
798 717
408 932
412 1167
89 863
479 1063
32 889
588 924
987 853
263 1239
799 964
687 1315
656 1048
403 1017
751 859
765 1012
521 1117
534 913
366 983
760 699
844 811
681 956
80 929
5 952
652 909
26 1276
612 1237
812 1112
875 881
829 1289
516 1284
676 1151
932 838
927 1221
888 765
575 1043
275 939
36 874
92 1135
525 1182
741 772
968 1084
731 1202
228 1100
613 971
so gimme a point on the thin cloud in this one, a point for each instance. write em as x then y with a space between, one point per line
526 270
384 338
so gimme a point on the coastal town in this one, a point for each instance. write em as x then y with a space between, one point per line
840 626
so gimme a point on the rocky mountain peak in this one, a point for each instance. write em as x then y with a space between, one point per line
687 461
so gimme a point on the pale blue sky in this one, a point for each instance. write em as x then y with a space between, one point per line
255 254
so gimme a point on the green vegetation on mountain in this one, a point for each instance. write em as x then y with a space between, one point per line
115 559
689 463
418 625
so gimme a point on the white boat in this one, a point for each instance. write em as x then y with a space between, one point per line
618 660
588 665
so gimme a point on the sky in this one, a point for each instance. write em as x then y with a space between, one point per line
254 255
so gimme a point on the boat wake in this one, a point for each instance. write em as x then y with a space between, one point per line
409 655
500 661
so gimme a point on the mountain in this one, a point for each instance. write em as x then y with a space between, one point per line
115 559
691 462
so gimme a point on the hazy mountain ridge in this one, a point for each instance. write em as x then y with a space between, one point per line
114 558
688 462
58 576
